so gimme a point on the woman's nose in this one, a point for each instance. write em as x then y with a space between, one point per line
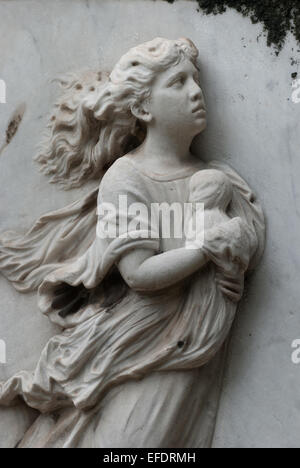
196 93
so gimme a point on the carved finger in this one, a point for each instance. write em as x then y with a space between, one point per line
235 287
234 297
230 279
234 280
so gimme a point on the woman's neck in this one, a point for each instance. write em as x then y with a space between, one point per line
165 151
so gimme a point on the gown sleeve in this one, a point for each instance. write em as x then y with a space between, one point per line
122 226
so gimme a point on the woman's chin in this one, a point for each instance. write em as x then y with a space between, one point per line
201 125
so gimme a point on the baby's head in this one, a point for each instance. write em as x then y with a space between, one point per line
211 187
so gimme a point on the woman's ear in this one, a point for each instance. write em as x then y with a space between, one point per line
140 111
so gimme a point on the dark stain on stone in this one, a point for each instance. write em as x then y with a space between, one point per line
14 123
12 126
278 17
294 75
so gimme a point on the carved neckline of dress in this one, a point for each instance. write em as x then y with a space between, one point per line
181 174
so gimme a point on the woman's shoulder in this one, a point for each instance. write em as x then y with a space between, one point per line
121 173
120 168
122 178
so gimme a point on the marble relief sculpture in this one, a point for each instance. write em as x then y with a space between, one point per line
144 317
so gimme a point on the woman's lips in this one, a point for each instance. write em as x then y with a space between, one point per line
199 111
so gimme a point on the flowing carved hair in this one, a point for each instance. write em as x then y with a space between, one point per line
93 124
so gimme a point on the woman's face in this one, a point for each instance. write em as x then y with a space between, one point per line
177 103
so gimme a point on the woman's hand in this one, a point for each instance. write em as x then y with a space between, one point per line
232 288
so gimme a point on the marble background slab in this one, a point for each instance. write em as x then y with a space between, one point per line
253 125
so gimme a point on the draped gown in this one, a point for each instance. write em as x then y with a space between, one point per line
130 369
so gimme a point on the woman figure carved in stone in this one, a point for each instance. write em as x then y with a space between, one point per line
144 317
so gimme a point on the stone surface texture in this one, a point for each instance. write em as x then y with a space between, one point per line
253 125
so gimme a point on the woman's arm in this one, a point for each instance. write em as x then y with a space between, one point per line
144 271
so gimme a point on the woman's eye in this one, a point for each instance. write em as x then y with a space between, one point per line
179 82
